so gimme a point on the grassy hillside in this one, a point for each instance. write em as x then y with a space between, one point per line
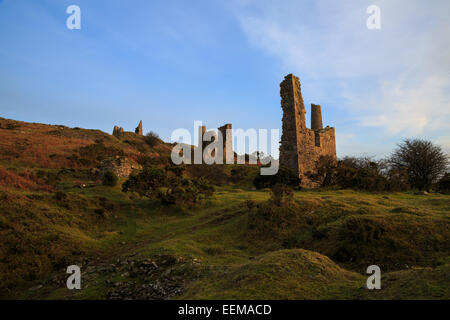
54 212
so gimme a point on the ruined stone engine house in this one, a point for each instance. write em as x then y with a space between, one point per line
301 147
119 132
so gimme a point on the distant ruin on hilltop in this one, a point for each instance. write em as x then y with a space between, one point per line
301 147
138 129
119 132
205 138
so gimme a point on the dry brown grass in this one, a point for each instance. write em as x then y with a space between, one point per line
25 180
38 149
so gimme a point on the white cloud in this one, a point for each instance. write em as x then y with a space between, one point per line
444 142
396 78
409 110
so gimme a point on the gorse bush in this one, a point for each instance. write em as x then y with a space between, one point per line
152 139
444 183
169 186
147 182
359 173
109 179
186 192
239 173
93 154
326 171
283 176
146 160
214 173
243 175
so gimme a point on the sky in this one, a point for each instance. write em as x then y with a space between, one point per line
170 63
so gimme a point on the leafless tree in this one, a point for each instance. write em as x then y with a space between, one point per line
152 139
424 161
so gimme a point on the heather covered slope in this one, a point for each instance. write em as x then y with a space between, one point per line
237 245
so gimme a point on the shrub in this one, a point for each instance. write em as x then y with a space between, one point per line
25 180
360 173
60 196
94 153
282 195
425 162
109 179
397 180
326 171
283 176
169 185
239 173
444 183
214 173
186 192
392 241
147 182
100 211
145 160
152 139
269 221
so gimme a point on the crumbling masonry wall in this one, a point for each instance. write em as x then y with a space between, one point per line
120 133
227 140
227 137
300 146
138 129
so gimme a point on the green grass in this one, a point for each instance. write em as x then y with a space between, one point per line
237 245
318 249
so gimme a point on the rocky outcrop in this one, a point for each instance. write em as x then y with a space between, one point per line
121 166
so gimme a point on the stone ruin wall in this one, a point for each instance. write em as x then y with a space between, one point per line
300 146
138 129
227 141
227 137
119 132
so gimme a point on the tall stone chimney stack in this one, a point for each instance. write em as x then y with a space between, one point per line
138 129
316 117
227 136
302 147
201 133
293 122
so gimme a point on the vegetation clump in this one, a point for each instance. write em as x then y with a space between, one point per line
282 195
415 163
152 139
423 161
214 173
444 183
147 182
169 185
283 176
109 179
245 243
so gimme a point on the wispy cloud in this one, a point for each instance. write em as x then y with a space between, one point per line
407 109
396 78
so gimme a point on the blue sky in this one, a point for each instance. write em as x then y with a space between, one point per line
172 62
